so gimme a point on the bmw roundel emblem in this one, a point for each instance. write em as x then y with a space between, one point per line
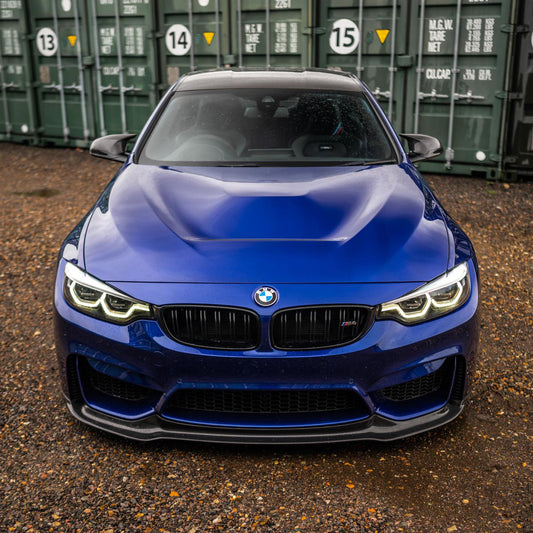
266 296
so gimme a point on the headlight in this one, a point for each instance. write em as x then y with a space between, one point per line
93 297
440 296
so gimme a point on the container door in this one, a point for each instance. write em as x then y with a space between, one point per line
17 106
125 69
271 33
455 92
519 158
60 46
369 38
192 35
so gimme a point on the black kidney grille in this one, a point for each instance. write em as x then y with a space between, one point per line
264 401
422 386
307 328
222 328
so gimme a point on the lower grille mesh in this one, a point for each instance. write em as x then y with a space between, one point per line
264 402
419 387
111 386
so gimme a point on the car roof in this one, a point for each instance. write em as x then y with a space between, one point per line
275 78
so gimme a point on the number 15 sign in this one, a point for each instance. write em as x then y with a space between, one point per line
344 37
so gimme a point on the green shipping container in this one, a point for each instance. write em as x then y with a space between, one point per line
371 39
17 106
59 38
460 70
456 90
519 139
272 33
123 63
192 35
436 66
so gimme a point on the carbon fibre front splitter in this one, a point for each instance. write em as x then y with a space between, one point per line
375 428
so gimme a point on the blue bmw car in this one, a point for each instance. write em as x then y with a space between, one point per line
267 266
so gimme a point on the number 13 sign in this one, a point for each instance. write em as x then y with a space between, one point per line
46 42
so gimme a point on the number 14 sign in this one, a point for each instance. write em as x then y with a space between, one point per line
178 39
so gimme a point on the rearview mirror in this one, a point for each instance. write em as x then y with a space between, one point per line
112 146
421 146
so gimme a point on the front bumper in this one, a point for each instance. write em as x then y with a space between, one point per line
376 428
404 380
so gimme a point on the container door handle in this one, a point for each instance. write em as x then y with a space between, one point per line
73 87
433 95
381 94
131 88
109 87
53 86
468 96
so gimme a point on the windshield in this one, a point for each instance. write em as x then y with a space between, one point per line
265 126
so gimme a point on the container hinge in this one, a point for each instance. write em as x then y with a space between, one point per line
449 155
514 28
314 30
495 157
507 95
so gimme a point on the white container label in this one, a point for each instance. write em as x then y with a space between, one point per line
344 37
178 39
46 42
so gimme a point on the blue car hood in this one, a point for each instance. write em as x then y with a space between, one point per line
266 225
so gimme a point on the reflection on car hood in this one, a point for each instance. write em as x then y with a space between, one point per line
266 225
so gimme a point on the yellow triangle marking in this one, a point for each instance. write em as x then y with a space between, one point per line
382 34
72 40
208 36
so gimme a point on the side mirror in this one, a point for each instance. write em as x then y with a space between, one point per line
421 146
112 146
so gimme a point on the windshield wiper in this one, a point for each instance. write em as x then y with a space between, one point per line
237 165
369 162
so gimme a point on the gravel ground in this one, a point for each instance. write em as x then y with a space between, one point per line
473 475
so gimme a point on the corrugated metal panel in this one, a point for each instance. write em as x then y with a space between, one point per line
455 90
63 87
369 38
123 63
272 33
192 35
519 154
17 106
